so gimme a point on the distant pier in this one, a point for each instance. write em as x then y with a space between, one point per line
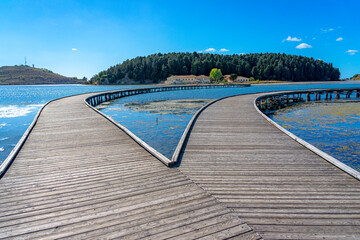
275 101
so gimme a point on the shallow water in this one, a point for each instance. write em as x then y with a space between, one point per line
19 105
333 127
160 123
150 116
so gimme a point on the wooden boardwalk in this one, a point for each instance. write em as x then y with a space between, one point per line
281 189
79 176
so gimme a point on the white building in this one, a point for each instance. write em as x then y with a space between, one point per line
192 79
241 79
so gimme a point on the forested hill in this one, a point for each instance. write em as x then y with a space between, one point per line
25 75
267 66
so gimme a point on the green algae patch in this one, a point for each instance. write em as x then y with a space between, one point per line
181 106
333 127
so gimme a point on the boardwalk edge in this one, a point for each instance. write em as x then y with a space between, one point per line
175 157
187 131
178 150
312 148
10 158
143 144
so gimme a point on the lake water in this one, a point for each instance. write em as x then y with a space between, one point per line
153 118
19 105
333 127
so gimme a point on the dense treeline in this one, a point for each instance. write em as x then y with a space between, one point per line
264 66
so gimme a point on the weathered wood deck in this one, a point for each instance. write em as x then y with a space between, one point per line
79 176
279 188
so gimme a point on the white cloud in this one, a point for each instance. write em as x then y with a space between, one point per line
303 45
352 52
74 49
213 50
210 50
339 39
326 30
293 39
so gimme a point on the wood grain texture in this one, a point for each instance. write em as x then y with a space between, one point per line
79 176
280 188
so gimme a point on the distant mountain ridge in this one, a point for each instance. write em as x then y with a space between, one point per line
356 77
25 75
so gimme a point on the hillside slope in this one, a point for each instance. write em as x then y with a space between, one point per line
356 77
264 66
25 75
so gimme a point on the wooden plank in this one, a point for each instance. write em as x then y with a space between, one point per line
280 188
80 176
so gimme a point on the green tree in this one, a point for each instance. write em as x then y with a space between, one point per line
255 71
215 74
184 70
233 76
159 66
195 68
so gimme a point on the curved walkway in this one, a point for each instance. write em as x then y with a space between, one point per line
79 176
279 188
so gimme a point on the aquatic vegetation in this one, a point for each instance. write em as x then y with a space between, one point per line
168 106
333 127
159 123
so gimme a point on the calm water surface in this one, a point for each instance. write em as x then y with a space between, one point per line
333 127
20 104
155 120
160 124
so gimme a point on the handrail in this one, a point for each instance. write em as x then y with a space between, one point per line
352 172
278 100
94 100
10 158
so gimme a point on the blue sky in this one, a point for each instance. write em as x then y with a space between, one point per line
81 38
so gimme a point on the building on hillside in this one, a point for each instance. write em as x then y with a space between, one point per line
182 79
227 78
203 79
241 79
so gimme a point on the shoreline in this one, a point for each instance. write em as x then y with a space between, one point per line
265 82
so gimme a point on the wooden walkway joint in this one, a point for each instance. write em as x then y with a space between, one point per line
78 176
